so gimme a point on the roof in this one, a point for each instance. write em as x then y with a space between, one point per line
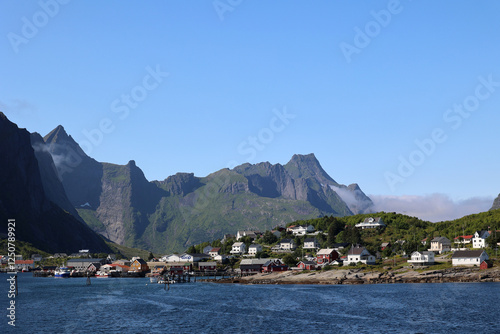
483 234
285 241
198 254
237 244
203 264
24 261
255 245
325 251
309 240
467 254
441 239
423 253
254 261
371 220
356 250
215 249
141 261
307 262
465 237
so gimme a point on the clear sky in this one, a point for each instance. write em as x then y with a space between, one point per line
401 97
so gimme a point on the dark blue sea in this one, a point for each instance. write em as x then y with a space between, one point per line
134 305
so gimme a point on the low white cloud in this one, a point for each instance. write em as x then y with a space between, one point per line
434 207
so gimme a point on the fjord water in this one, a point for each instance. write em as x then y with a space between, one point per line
118 305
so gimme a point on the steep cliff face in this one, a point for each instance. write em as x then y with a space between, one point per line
126 200
52 185
23 197
496 203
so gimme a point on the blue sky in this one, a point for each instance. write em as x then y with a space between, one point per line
356 83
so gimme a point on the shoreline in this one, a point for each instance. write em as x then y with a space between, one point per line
360 276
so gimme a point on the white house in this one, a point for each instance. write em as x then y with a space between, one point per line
241 234
479 239
36 257
193 257
214 252
359 254
287 244
302 229
254 249
440 245
311 243
238 248
371 223
220 258
422 258
171 258
469 258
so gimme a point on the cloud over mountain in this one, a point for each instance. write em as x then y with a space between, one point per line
433 207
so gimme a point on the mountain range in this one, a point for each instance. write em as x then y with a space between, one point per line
62 199
118 202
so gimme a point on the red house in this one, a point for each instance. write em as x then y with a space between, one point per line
274 266
484 265
326 255
307 265
207 266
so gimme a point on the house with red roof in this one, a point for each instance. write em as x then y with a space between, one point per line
24 265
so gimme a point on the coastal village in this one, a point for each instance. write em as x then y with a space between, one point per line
291 250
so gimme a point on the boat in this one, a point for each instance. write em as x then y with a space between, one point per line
62 272
102 274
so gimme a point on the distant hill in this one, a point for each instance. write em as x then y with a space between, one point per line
31 193
118 202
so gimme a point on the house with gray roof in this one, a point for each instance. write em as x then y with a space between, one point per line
440 245
469 258
359 254
371 222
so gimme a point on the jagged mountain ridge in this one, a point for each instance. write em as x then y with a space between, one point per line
121 204
31 193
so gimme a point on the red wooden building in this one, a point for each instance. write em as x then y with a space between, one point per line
326 255
307 265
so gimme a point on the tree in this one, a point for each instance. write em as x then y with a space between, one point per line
150 256
191 249
216 243
289 260
269 238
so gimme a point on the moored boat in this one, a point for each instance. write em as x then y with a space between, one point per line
62 272
102 274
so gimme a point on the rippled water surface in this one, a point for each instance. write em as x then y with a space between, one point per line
114 305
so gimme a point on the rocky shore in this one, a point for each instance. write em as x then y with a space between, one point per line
363 276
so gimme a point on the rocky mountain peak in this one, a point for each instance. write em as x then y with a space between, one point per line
307 166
